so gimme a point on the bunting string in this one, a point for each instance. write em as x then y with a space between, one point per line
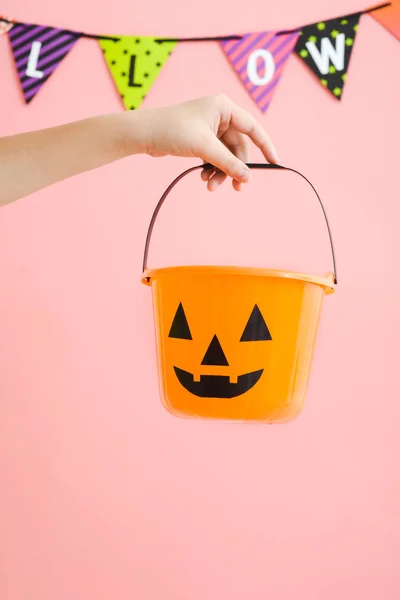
366 11
93 36
257 58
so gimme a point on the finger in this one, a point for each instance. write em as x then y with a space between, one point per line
247 124
206 174
237 143
216 180
215 152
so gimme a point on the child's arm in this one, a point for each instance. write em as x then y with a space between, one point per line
213 129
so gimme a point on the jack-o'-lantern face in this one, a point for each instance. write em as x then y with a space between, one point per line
219 386
230 351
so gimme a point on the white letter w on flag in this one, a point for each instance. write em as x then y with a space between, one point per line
328 52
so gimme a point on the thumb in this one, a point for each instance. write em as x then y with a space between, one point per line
216 153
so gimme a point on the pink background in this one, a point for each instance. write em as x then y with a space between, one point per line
102 493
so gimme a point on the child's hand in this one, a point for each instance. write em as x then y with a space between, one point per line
213 129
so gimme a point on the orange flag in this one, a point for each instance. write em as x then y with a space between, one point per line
389 17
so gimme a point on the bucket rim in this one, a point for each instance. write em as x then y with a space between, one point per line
327 282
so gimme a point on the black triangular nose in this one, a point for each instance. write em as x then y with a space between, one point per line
215 355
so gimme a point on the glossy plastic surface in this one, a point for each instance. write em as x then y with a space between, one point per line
235 343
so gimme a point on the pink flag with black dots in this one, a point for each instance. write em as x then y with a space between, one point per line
259 59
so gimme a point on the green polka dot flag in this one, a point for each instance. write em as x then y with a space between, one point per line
326 47
135 63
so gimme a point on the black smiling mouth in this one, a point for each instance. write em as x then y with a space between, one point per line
217 386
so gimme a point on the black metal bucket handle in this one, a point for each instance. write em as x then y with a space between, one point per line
251 166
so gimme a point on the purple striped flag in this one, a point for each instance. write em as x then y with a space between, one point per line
37 52
258 59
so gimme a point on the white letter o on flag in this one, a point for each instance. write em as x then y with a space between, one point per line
268 64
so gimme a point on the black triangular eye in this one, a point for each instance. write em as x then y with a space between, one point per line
256 329
180 328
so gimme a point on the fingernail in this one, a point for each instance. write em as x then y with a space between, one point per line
244 175
275 156
213 185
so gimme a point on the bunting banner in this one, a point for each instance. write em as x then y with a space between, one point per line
390 18
37 52
135 63
326 47
259 59
5 25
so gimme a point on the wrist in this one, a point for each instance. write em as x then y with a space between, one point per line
129 132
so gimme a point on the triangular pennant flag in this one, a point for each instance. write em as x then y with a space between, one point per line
135 63
389 17
326 47
37 52
5 25
259 59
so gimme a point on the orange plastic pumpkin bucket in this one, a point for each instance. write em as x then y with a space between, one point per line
244 360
